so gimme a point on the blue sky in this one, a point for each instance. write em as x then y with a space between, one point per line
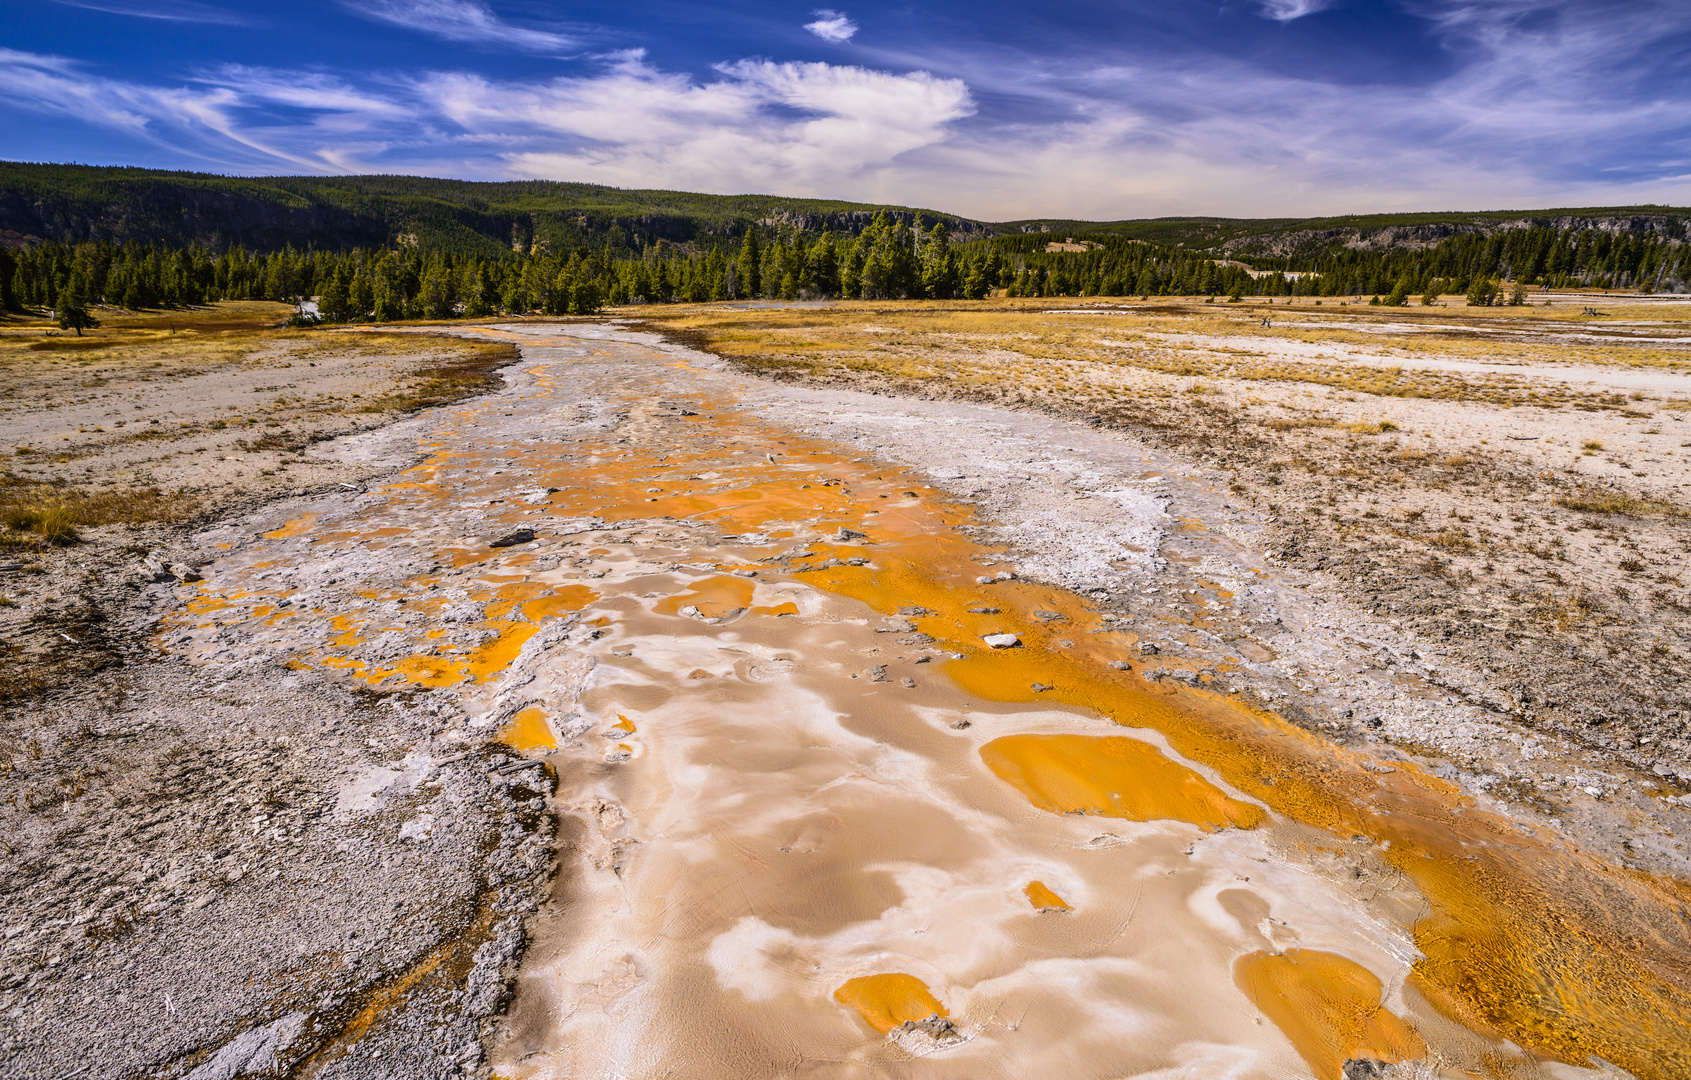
999 110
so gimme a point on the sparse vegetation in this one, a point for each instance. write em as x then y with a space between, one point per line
1590 500
35 514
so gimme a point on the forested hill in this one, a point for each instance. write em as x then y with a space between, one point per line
1305 239
78 204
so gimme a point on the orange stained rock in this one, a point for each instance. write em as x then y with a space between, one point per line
1114 777
1042 898
1328 1007
529 730
889 1000
713 597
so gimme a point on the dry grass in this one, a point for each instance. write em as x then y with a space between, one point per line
473 369
1039 352
34 515
1591 500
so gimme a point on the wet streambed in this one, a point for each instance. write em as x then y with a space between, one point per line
816 823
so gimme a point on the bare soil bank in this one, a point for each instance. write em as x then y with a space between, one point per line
203 865
125 437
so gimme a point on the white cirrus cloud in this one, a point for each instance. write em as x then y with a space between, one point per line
166 10
756 125
831 25
1287 10
461 20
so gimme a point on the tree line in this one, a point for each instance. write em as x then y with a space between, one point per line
889 259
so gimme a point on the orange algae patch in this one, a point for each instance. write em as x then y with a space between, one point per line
564 599
889 1000
528 730
1114 777
431 670
713 597
297 527
1328 1007
1042 898
624 724
789 608
496 655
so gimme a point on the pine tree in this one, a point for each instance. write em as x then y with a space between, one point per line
73 306
748 267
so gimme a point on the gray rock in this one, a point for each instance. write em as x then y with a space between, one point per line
257 1050
1002 641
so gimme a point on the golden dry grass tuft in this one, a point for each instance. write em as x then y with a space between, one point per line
33 515
1591 500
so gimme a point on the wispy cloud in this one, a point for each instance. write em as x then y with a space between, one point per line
461 20
831 25
1287 10
167 10
757 125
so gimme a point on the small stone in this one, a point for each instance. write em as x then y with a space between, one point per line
909 683
983 611
961 725
1049 616
1040 688
184 572
877 673
1002 641
852 534
1006 575
512 539
983 580
1121 665
1147 648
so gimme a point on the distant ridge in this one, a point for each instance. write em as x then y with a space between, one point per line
75 203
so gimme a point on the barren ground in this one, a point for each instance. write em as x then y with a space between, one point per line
722 725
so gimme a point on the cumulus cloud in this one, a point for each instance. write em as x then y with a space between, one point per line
461 20
761 126
831 25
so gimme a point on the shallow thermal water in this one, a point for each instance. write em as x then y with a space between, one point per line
815 825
